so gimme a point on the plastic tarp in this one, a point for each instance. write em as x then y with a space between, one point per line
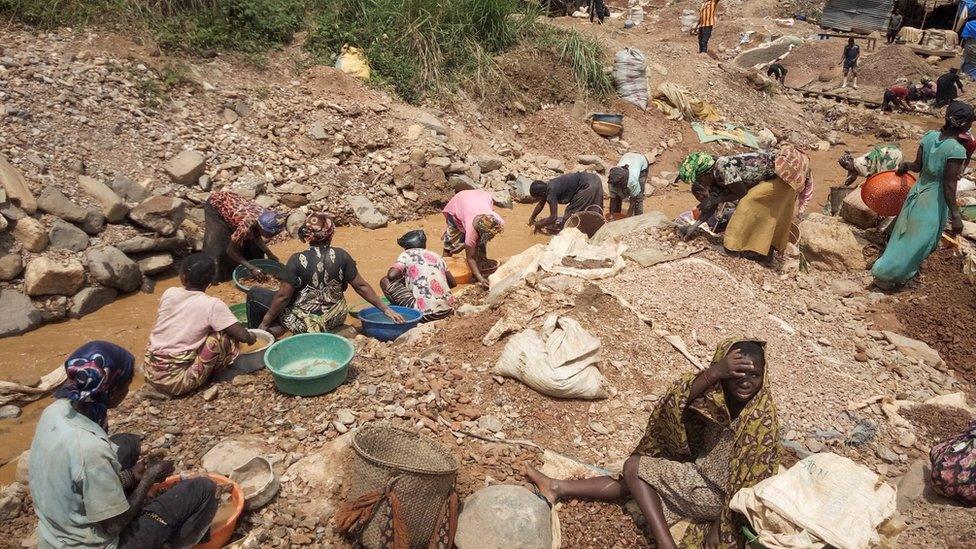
966 9
560 361
678 104
730 132
968 30
823 499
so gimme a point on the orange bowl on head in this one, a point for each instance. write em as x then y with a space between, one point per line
220 533
885 192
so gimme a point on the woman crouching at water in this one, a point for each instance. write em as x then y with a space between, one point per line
712 434
195 335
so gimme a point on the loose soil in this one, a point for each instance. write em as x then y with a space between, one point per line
938 423
940 312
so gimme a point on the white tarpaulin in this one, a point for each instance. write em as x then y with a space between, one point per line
560 362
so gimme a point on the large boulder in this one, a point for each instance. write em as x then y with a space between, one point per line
146 244
913 348
367 214
11 265
502 199
112 205
54 202
31 233
828 243
19 313
504 517
91 299
520 190
16 187
45 276
186 168
462 182
854 211
155 263
64 235
128 189
162 214
112 268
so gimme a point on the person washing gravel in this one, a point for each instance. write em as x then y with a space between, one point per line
471 223
419 279
712 434
579 191
235 232
627 180
880 158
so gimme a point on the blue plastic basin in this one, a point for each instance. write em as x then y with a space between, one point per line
379 326
267 266
309 364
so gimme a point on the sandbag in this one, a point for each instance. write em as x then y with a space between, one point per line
560 362
630 76
824 498
352 62
688 19
910 35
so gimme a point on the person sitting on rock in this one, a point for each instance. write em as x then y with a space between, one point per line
91 489
712 434
627 180
580 191
471 224
419 279
880 158
777 72
768 186
195 335
235 232
311 297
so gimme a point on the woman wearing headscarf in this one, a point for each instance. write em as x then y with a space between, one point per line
931 201
90 489
235 232
311 297
712 434
769 186
419 279
880 158
471 224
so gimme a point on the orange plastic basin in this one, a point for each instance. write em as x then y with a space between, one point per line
219 533
457 265
885 192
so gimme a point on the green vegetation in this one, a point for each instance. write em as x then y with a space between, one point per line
417 47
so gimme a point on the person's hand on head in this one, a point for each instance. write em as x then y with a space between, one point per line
735 364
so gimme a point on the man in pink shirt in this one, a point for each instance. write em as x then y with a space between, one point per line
471 223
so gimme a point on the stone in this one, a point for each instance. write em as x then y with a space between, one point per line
431 122
128 189
346 416
91 299
295 221
154 263
14 184
441 162
555 165
488 164
490 423
186 168
19 313
11 265
367 214
520 190
323 471
146 244
504 517
93 223
830 244
11 212
45 276
229 115
31 233
846 288
162 214
854 211
502 199
112 206
112 268
249 186
317 132
64 235
12 496
913 348
293 200
293 187
9 411
411 196
461 182
413 132
210 394
233 451
54 202
592 160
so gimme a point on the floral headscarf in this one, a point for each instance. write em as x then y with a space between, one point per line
94 369
318 229
694 165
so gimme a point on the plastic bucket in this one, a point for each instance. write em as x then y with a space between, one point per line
266 266
378 325
240 311
253 360
219 533
283 357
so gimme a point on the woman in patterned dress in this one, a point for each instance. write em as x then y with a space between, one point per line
419 279
312 285
712 434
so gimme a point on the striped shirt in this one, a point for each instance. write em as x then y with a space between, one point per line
706 13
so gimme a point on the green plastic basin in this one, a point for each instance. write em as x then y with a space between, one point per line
240 311
309 364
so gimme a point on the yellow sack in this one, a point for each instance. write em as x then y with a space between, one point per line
352 61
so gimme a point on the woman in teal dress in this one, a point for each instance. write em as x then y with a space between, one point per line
930 202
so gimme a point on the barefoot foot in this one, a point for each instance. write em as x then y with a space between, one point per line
545 485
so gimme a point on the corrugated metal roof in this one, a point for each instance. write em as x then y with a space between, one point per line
871 15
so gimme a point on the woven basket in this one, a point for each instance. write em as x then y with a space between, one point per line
426 472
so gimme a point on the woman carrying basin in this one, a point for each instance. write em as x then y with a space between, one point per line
311 295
